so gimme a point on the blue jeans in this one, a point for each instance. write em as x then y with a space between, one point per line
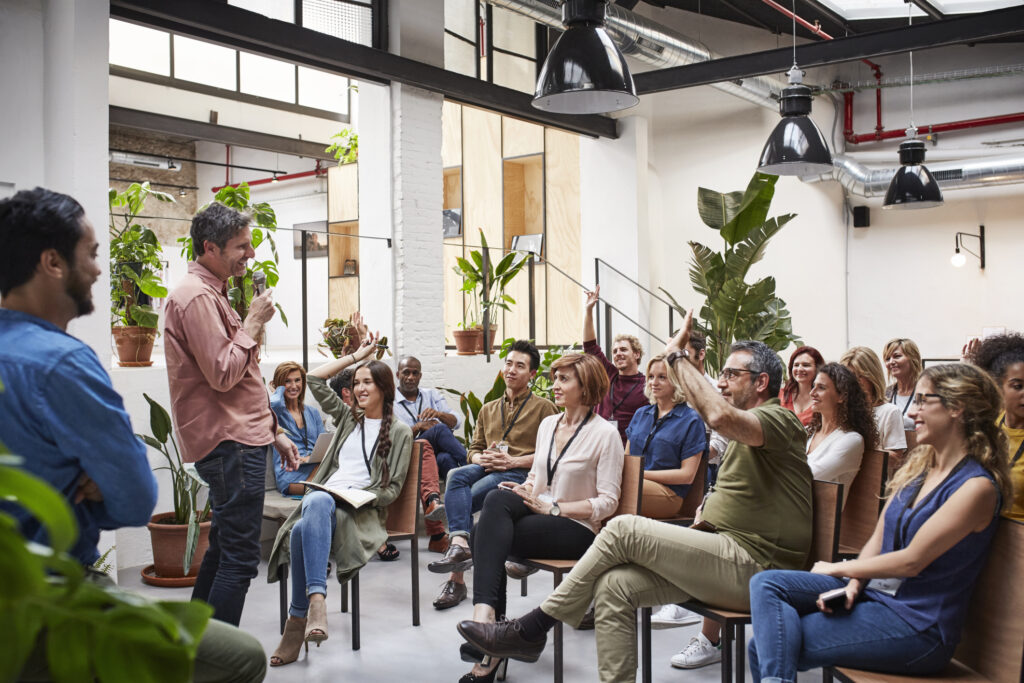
791 634
235 473
467 487
449 451
310 547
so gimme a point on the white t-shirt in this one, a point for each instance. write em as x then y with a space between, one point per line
891 434
902 403
837 458
351 472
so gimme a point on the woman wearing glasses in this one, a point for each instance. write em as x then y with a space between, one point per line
903 365
899 608
796 394
671 438
867 368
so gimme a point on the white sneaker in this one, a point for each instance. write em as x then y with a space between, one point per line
700 652
671 616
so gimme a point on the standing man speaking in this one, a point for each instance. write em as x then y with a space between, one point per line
220 406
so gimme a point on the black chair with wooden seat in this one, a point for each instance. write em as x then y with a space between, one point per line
276 508
827 501
864 503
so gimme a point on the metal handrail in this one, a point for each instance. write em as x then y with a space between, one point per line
600 260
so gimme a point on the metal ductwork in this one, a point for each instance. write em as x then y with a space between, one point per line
651 43
864 181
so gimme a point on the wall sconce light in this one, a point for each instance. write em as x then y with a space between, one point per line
958 259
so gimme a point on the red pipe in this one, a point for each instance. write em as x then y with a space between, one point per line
814 28
848 114
318 171
934 128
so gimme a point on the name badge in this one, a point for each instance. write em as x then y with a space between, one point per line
887 586
545 498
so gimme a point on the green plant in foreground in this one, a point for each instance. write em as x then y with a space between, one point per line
732 308
136 257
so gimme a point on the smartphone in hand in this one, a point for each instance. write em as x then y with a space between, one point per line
834 599
508 485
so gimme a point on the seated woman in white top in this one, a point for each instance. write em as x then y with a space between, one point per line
903 363
867 368
556 513
842 427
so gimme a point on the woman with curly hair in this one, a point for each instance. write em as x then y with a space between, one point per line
1002 357
902 603
867 368
842 426
796 393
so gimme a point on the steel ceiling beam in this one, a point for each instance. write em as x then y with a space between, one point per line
240 29
929 9
971 28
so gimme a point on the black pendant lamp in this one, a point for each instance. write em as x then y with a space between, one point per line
796 146
913 186
584 73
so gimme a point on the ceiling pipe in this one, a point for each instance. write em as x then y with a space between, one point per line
854 138
652 43
318 171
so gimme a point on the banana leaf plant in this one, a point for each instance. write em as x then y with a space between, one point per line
486 285
185 481
136 258
734 309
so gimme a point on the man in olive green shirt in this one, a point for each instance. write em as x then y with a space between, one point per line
757 517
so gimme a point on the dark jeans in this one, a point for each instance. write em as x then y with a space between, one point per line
508 528
235 473
449 451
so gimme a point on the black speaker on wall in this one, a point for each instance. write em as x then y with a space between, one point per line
861 217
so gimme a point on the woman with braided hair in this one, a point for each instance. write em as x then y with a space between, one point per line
1002 356
370 451
900 606
842 426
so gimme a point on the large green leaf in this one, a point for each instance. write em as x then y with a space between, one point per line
751 249
706 269
43 503
752 209
144 316
159 420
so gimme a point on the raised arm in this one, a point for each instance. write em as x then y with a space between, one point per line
589 333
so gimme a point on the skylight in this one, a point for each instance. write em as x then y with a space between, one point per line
854 10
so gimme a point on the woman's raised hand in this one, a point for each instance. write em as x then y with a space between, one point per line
593 297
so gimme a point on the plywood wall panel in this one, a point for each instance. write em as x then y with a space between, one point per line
520 138
451 134
343 193
482 191
342 296
564 298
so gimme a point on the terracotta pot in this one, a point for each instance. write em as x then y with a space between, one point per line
480 338
134 345
466 341
169 547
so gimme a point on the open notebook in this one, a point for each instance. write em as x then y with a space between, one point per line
355 498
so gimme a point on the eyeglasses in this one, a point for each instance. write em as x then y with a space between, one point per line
920 399
728 374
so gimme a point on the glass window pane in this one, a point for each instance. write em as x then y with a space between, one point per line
139 47
871 9
460 17
266 77
322 90
275 9
349 22
515 72
514 32
968 6
459 56
204 63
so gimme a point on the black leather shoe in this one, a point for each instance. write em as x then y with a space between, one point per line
456 559
452 593
468 653
502 639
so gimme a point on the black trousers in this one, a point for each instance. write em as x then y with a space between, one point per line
507 528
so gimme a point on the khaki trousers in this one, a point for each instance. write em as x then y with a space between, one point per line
638 562
659 501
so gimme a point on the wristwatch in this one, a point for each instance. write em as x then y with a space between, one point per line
555 511
676 355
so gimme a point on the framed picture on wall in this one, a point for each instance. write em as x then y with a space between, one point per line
451 222
531 243
316 239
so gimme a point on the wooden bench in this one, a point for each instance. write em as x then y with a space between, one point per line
864 503
992 648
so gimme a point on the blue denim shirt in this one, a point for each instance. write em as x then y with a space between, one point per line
304 439
59 411
682 435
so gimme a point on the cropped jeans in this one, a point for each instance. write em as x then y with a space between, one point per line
791 634
467 488
310 550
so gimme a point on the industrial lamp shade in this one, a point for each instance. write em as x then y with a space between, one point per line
796 146
585 73
913 186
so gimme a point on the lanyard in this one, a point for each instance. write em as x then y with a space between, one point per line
419 408
900 533
622 400
515 417
367 458
906 405
1020 448
553 467
654 429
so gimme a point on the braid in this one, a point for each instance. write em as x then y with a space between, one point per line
384 445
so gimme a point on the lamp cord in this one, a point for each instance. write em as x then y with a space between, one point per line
910 22
794 34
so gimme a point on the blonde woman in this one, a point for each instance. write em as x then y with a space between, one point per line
867 368
302 424
899 608
903 366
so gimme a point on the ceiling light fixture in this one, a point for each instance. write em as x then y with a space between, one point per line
584 73
913 186
796 146
958 259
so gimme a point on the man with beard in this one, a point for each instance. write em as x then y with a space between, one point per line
757 517
220 405
60 411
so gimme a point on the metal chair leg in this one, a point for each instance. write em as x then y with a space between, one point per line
741 652
522 586
415 543
282 579
355 610
645 643
344 597
727 661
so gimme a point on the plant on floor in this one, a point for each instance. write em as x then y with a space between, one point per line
185 482
241 290
732 308
94 631
136 258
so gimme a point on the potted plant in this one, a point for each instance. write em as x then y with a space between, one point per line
180 537
486 282
136 260
341 338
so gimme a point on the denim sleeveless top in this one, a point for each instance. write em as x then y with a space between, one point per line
939 595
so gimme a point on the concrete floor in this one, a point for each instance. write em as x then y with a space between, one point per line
394 650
